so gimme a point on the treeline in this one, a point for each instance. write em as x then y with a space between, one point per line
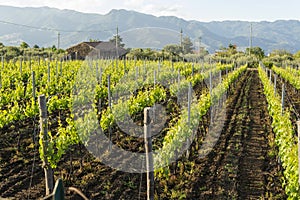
24 50
253 55
176 52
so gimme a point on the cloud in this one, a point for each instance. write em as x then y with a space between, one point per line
174 9
79 5
155 7
134 3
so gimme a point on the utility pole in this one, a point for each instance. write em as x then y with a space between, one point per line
181 32
199 43
250 39
117 50
58 40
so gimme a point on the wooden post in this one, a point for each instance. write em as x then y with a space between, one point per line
100 78
282 99
210 82
29 60
2 60
109 105
61 63
298 124
275 84
0 80
124 63
33 86
44 128
189 118
97 73
56 71
21 66
178 85
149 155
145 73
154 78
154 107
193 68
48 72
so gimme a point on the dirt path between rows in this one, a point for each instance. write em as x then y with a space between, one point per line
243 163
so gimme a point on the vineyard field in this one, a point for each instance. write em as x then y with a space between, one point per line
216 131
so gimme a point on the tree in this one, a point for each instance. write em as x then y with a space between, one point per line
1 44
187 45
12 52
281 54
119 39
173 49
36 46
256 51
53 48
24 45
297 55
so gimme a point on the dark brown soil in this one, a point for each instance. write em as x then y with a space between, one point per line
243 164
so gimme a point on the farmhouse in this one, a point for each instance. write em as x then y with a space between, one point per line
99 49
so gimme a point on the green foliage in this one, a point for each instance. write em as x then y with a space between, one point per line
285 139
173 49
292 77
119 39
256 51
24 45
187 45
296 55
183 129
11 52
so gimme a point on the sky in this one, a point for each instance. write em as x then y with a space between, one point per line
200 10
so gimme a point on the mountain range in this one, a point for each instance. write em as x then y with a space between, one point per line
46 26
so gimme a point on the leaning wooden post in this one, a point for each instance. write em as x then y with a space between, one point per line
33 87
282 99
149 155
275 84
44 129
298 124
2 61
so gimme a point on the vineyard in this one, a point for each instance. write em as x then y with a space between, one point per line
217 131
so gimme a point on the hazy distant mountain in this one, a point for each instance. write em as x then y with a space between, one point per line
41 27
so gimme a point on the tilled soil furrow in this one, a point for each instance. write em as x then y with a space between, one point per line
251 182
239 166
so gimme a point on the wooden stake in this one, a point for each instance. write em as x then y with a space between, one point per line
44 128
282 99
149 155
189 118
298 124
33 86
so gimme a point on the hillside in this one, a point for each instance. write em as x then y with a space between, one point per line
41 27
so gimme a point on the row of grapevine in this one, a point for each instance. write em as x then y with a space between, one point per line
56 81
184 129
288 75
285 137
